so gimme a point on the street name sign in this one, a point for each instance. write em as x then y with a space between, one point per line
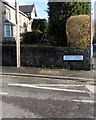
73 57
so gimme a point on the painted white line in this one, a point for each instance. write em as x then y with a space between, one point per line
55 89
84 101
48 88
72 85
91 88
1 93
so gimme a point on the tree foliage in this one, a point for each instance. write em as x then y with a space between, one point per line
58 13
39 24
31 37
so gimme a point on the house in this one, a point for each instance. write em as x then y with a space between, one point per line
8 22
29 10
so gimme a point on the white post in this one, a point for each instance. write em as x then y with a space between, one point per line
17 33
1 18
91 32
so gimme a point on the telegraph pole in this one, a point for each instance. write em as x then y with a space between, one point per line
17 33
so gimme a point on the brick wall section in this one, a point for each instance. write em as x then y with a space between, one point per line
51 57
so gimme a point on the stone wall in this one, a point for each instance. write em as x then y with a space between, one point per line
8 55
50 57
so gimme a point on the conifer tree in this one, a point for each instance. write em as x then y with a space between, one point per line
58 13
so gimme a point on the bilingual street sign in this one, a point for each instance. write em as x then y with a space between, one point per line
73 57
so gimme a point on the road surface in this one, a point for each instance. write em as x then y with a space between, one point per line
27 97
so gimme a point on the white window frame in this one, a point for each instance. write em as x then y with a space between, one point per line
8 14
11 31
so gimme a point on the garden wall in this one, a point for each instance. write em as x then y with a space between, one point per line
50 57
8 55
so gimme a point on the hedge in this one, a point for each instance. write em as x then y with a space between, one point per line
78 31
33 37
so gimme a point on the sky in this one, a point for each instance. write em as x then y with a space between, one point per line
41 6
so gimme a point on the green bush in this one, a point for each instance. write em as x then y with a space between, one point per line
78 31
31 37
40 24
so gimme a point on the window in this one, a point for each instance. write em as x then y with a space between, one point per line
29 14
8 30
8 14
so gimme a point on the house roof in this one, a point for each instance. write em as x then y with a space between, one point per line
27 8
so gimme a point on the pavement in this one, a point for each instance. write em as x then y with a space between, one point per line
49 73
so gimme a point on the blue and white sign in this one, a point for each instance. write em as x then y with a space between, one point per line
73 57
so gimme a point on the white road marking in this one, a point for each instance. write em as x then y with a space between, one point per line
48 88
55 89
1 93
84 101
91 88
71 85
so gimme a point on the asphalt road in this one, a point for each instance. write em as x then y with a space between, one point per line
27 97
